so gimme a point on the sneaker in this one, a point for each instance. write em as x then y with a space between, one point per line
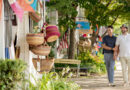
126 84
111 84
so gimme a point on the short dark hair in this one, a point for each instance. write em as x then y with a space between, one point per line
110 27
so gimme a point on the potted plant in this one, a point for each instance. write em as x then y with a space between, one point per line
36 38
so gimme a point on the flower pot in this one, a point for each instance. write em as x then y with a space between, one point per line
52 33
45 64
42 50
35 39
35 16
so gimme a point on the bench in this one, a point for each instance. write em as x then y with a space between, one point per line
70 61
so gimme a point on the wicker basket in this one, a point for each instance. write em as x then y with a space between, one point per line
42 50
83 48
52 33
86 42
35 16
84 45
45 64
35 39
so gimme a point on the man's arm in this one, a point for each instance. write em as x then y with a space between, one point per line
107 47
116 51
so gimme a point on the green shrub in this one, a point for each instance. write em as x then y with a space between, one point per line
11 72
94 64
55 81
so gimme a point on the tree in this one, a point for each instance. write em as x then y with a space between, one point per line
67 13
104 12
101 12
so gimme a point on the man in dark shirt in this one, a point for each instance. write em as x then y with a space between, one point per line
108 46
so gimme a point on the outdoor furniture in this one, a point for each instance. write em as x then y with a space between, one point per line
69 61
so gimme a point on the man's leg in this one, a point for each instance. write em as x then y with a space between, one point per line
111 70
128 60
106 58
124 69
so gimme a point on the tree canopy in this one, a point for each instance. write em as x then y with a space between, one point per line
101 12
105 12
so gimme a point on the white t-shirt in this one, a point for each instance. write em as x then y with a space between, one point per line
124 45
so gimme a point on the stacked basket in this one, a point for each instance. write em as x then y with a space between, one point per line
38 45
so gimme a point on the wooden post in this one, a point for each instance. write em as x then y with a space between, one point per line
23 29
25 54
2 35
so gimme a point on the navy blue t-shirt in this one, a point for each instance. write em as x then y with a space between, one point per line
110 42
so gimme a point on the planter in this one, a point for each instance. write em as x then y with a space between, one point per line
35 16
86 42
83 48
35 39
42 50
84 45
52 33
45 64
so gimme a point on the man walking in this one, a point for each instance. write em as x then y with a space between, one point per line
123 46
108 46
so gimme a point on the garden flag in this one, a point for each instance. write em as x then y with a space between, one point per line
17 9
32 3
25 6
0 8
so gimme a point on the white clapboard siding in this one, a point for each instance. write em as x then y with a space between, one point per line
2 35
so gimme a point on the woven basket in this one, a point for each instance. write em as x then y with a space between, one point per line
35 16
52 33
45 64
35 39
84 45
42 50
83 48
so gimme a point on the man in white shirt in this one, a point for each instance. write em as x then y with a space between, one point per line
123 49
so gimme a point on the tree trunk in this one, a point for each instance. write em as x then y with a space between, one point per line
72 44
93 40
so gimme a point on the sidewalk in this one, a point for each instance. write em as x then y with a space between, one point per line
101 82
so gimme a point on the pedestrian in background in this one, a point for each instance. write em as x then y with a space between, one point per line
123 48
108 50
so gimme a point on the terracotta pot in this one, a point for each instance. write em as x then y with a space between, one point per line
35 39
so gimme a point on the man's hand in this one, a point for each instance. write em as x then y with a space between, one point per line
116 52
115 57
114 49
